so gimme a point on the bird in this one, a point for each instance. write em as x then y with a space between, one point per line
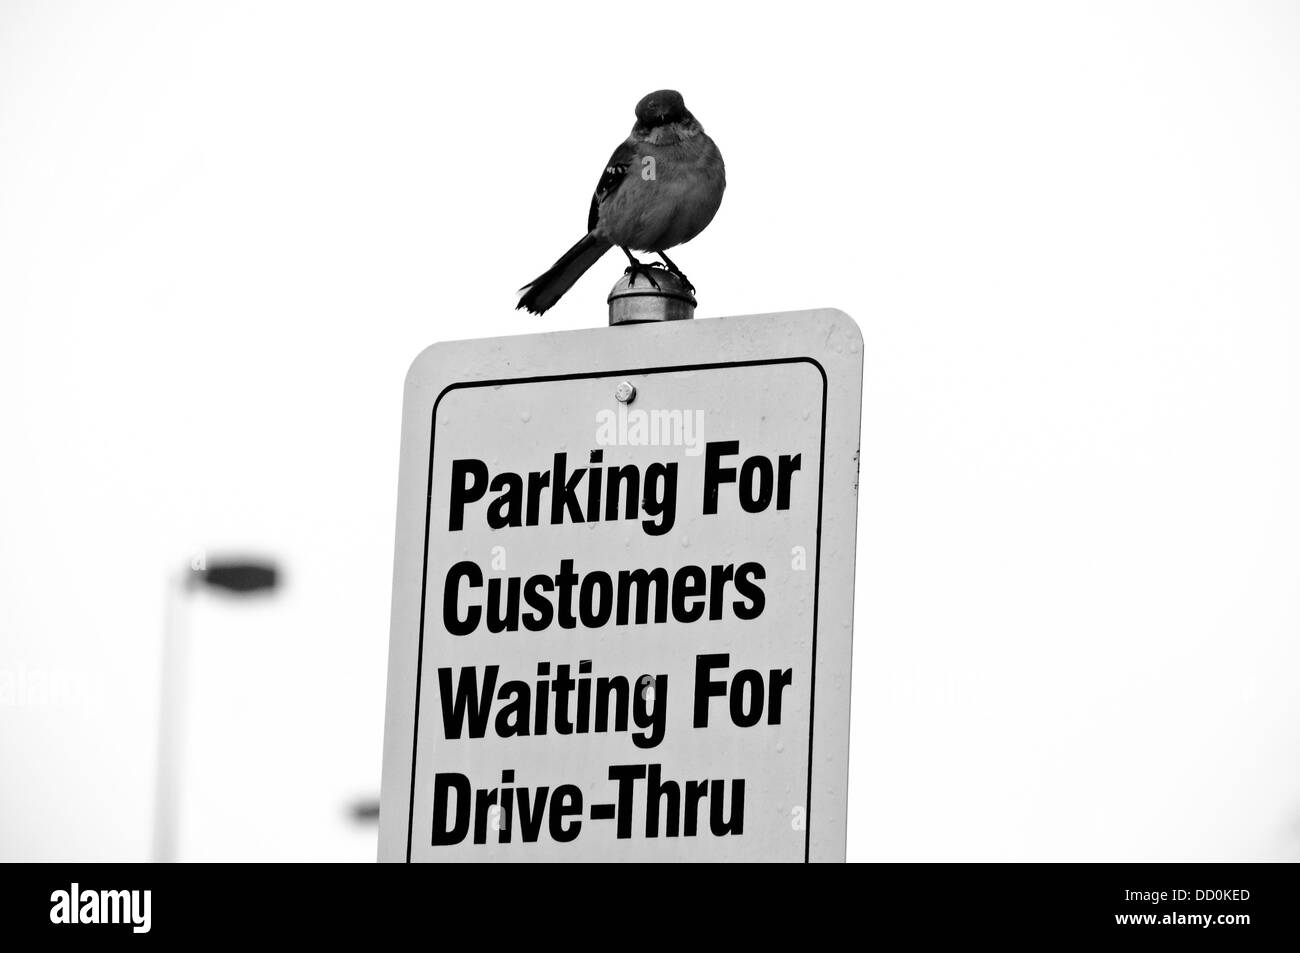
661 188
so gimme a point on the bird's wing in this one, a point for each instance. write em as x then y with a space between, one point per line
615 172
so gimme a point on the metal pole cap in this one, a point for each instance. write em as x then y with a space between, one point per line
639 301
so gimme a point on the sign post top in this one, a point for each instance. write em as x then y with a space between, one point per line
639 301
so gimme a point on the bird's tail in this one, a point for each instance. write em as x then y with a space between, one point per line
540 294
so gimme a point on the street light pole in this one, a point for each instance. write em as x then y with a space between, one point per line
241 578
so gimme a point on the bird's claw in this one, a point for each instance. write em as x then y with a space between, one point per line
681 276
672 269
640 268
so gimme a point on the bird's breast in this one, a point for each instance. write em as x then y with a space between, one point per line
671 193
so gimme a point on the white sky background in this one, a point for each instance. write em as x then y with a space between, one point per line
1069 232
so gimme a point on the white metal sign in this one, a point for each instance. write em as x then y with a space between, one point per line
623 594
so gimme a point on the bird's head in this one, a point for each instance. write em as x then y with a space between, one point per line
660 108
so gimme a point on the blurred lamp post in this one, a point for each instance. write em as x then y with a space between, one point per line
239 578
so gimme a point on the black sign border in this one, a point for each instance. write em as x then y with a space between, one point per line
596 375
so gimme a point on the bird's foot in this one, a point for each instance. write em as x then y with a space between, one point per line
686 281
640 268
672 269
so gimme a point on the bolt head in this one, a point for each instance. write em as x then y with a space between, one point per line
625 392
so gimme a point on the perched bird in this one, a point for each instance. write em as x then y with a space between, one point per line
660 188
